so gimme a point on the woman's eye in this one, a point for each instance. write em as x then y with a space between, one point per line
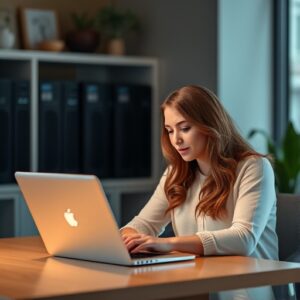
185 129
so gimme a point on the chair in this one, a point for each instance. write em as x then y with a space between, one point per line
288 224
288 231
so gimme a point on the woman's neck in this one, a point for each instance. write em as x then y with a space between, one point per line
204 167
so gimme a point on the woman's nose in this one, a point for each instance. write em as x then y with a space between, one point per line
178 139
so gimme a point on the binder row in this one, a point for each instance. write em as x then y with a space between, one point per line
14 128
86 127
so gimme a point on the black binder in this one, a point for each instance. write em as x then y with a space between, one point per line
71 125
6 131
97 129
125 125
142 98
50 127
132 136
21 103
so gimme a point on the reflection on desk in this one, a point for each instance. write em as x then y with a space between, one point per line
75 276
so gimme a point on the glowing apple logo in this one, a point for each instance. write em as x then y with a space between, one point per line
69 216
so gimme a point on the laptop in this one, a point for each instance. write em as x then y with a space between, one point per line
74 219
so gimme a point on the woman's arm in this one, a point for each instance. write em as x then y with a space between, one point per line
253 208
152 219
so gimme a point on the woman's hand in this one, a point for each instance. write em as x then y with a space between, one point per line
136 243
127 231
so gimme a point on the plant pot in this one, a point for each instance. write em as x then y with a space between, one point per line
86 40
51 45
116 46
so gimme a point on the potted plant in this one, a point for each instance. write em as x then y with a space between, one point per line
84 38
286 158
115 25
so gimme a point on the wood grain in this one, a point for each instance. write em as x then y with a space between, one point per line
27 271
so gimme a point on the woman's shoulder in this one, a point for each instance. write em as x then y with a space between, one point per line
256 164
255 159
166 171
255 173
164 175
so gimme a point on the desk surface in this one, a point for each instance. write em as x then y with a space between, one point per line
27 271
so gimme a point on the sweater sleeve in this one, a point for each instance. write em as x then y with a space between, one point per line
152 219
255 197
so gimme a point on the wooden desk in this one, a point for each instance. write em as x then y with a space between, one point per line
27 271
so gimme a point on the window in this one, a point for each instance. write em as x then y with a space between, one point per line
294 63
286 66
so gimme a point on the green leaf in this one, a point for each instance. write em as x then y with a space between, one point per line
286 158
82 21
291 151
282 178
115 23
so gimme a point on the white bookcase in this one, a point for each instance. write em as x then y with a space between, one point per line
35 66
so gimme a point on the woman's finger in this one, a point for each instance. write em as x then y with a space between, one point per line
128 238
135 242
147 243
143 247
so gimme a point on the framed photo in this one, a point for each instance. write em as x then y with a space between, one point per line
8 20
38 25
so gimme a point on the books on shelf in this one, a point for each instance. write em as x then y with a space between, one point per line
21 127
59 127
132 130
83 127
50 127
6 131
97 130
70 127
14 128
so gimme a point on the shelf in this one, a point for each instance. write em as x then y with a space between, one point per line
8 189
38 65
35 66
111 185
75 58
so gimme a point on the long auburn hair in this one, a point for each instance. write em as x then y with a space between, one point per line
225 148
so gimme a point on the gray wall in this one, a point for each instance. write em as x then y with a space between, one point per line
183 35
225 45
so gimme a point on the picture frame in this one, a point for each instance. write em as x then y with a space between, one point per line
8 19
38 25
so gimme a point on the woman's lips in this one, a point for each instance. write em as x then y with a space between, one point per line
183 150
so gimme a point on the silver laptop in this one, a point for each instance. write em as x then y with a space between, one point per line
75 220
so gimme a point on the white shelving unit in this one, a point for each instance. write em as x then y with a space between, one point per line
35 66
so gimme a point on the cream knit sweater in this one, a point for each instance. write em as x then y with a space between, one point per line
249 227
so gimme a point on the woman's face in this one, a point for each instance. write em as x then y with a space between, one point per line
185 137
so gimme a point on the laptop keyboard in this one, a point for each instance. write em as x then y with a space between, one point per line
143 255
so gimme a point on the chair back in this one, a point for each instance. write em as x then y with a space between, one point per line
288 224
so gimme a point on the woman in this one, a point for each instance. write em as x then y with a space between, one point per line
217 191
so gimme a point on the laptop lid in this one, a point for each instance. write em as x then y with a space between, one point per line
75 220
